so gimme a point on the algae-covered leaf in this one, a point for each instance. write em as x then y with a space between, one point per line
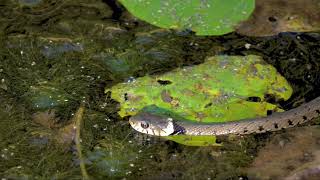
218 90
205 17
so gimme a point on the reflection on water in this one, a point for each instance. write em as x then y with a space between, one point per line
56 56
29 2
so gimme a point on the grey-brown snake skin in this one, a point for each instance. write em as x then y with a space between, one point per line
274 122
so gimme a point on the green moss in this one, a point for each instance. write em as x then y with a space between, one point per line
24 152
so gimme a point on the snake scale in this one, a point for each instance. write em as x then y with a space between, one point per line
164 126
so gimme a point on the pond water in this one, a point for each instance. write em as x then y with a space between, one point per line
57 122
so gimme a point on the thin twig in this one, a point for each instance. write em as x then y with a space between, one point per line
78 121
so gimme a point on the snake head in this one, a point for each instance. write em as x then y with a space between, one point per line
152 124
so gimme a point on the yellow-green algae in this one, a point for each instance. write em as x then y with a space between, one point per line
215 91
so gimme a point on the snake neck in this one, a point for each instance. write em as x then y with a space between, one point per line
274 122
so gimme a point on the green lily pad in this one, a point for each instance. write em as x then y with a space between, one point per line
214 17
218 90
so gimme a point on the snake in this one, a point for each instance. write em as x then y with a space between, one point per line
164 125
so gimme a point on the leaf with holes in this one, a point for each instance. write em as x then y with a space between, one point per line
223 88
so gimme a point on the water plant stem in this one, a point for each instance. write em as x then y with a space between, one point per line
78 121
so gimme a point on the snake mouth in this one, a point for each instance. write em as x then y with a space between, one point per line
132 123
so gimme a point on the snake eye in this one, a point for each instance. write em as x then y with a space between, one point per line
144 125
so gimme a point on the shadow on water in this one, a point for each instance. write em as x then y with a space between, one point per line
56 55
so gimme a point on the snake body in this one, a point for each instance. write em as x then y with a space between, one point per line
164 126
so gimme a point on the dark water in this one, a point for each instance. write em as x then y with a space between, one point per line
57 57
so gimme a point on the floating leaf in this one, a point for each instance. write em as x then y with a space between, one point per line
218 90
205 17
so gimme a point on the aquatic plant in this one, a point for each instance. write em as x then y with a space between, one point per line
221 89
214 17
